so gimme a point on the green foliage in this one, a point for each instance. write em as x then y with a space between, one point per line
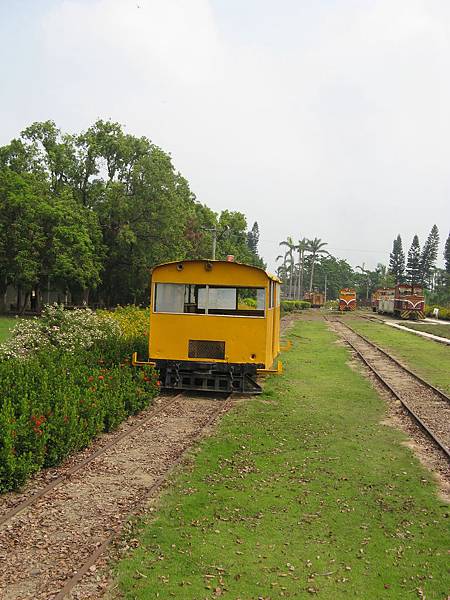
338 272
70 380
306 493
444 311
68 331
134 322
233 239
397 261
429 256
91 213
332 304
294 305
249 302
447 255
413 271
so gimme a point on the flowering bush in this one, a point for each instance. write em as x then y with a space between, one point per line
69 380
444 313
133 321
67 330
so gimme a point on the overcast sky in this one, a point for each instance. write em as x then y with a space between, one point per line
327 118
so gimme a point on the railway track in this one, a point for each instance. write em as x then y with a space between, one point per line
428 406
52 538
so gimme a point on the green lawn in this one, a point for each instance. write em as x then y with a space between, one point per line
6 323
429 359
299 493
437 329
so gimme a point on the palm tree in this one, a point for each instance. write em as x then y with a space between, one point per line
302 247
316 247
289 258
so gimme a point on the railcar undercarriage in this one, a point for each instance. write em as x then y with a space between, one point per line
209 376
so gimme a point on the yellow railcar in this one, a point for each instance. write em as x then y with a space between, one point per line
213 325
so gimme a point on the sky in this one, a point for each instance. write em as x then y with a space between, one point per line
315 118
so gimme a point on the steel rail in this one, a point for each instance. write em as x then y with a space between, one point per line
409 410
101 546
439 392
64 477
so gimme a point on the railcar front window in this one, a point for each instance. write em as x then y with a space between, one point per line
169 297
207 299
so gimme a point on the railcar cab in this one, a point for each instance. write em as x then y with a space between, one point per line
347 299
213 325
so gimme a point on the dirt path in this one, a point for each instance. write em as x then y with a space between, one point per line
44 545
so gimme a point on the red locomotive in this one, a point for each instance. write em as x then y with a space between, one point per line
404 301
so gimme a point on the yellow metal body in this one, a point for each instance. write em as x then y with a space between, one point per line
248 339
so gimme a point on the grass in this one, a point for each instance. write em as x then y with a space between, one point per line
427 358
301 492
440 330
6 324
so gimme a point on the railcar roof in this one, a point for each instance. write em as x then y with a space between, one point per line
205 260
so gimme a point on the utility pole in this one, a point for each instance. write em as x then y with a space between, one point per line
213 230
325 294
214 243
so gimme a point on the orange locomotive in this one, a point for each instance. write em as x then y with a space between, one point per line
347 299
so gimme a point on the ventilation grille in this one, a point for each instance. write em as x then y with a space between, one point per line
206 349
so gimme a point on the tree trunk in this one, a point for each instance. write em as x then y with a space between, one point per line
298 278
291 281
19 298
312 273
86 297
21 309
302 272
3 288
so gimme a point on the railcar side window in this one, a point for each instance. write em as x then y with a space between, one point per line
212 300
271 293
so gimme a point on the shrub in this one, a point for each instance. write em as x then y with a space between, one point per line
294 305
251 302
332 304
69 331
444 312
133 321
65 386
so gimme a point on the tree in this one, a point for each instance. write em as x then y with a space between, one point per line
316 248
289 260
383 277
397 261
339 274
413 271
23 206
75 256
302 247
253 239
447 255
429 256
